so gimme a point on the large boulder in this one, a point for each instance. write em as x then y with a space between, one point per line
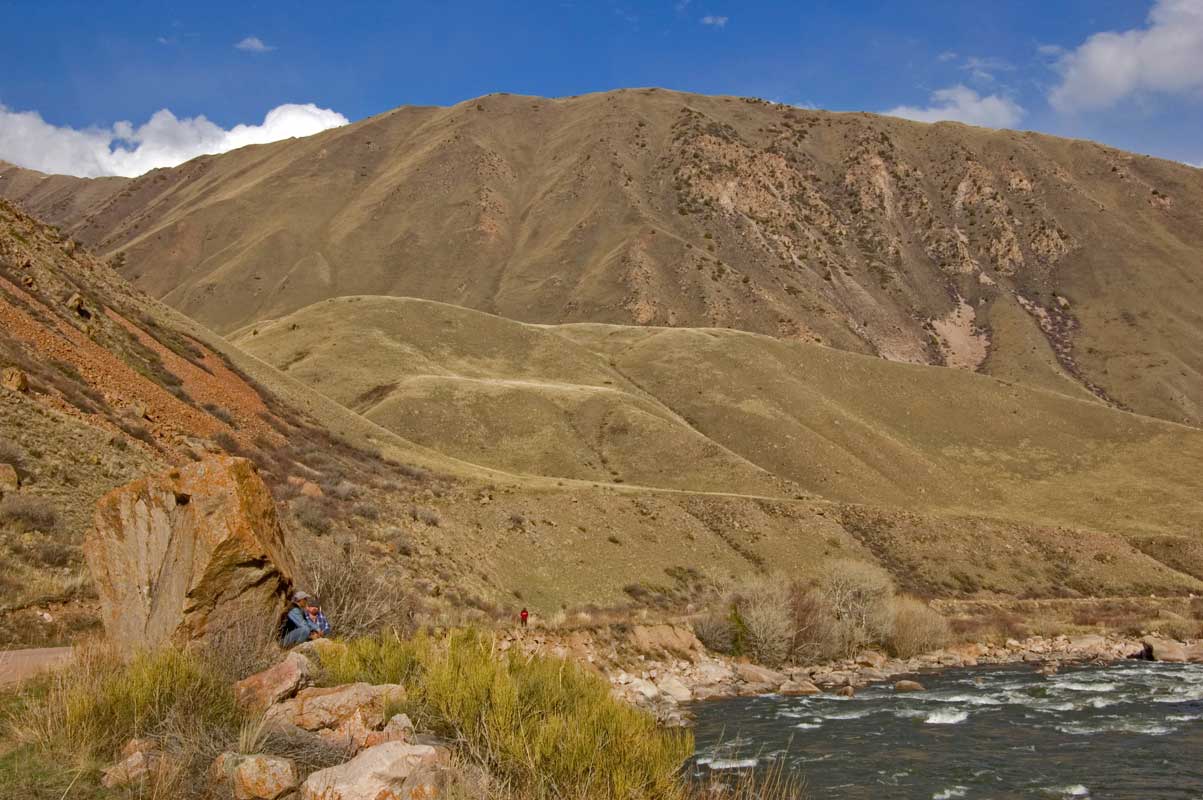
390 770
180 555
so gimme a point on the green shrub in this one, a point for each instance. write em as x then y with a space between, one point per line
542 726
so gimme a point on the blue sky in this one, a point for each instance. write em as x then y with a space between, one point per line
1126 73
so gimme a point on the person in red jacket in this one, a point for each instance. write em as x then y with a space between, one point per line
524 616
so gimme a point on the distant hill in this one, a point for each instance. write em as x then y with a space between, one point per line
1057 263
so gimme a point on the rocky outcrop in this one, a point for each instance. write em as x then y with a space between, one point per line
908 686
177 556
388 771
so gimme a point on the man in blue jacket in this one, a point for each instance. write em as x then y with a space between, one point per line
299 627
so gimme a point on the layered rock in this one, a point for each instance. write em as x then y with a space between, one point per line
177 556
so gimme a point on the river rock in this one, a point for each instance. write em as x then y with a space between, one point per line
871 658
714 672
909 686
380 772
263 777
275 683
756 674
180 555
1158 649
846 691
713 691
799 688
671 686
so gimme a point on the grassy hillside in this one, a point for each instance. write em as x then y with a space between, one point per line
721 410
1054 262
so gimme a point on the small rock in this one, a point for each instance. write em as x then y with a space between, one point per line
909 686
275 683
671 686
753 673
263 778
134 767
14 380
713 691
846 691
398 729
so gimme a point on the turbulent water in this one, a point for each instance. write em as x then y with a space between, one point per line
1131 731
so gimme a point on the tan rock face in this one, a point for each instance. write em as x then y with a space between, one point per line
389 771
180 555
670 638
275 683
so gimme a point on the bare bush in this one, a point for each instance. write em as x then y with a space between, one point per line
11 453
918 628
29 511
768 632
312 514
366 510
426 515
715 632
860 596
343 490
356 598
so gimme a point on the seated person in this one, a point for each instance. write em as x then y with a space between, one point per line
298 626
313 610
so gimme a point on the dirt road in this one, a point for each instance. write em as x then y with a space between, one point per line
17 665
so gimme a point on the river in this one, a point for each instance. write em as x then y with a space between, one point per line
1131 731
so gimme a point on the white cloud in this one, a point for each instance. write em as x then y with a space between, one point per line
713 21
253 44
1166 56
165 140
962 104
983 69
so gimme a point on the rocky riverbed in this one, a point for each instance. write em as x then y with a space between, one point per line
664 667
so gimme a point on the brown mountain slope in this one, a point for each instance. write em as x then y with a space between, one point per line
1060 263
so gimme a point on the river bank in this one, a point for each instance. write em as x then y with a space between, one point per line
663 668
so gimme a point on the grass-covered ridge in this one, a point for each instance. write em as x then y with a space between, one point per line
544 727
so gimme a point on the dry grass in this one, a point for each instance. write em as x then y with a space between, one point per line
917 628
28 511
